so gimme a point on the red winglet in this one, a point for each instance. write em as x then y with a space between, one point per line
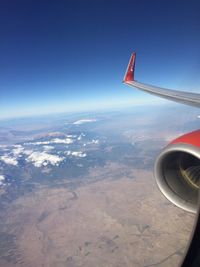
129 75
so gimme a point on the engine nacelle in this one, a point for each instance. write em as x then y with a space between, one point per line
177 171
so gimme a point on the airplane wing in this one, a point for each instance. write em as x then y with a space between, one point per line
192 256
187 98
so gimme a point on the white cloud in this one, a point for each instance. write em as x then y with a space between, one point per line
53 141
75 153
80 136
9 160
2 179
28 152
48 148
71 135
37 143
94 141
17 150
62 141
42 159
78 154
84 121
68 153
40 143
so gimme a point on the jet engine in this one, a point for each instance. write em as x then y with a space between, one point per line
177 171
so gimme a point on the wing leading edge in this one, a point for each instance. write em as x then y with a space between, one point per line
187 98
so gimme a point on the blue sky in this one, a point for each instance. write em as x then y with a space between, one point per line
62 56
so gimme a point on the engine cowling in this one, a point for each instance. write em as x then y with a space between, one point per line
177 171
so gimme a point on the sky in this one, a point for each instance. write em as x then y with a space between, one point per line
64 56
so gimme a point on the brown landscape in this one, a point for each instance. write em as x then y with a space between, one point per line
100 210
120 220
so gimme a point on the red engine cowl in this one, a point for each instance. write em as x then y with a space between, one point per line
177 171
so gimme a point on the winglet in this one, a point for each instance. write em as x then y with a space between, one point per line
129 75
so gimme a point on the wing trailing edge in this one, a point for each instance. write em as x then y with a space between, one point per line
187 98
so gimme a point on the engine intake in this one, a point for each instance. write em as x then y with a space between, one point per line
177 171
